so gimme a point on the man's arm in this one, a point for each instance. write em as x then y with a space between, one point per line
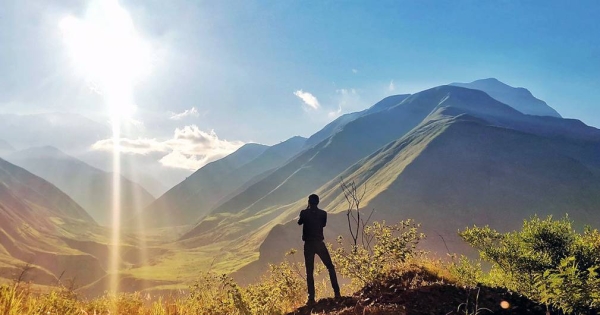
301 219
325 219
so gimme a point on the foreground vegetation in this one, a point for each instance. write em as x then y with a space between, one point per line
546 262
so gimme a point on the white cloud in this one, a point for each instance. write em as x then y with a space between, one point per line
348 100
188 112
346 92
335 113
308 99
190 148
186 161
392 87
133 146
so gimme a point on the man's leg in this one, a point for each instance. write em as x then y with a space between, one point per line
309 261
326 259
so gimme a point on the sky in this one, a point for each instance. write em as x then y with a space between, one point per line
222 73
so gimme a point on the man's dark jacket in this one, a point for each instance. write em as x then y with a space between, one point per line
313 221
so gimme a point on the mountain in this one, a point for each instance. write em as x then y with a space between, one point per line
145 170
456 171
357 139
518 98
88 186
343 120
35 218
459 157
190 199
5 148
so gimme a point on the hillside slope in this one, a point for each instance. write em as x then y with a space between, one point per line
190 199
35 217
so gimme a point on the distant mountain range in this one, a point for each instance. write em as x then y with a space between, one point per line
88 186
448 157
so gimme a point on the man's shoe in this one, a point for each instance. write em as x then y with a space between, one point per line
310 302
337 296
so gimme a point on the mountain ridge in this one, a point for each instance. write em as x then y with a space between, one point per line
519 98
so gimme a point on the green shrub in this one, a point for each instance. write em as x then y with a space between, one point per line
466 272
547 261
278 292
387 248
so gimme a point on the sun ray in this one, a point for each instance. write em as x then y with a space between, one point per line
107 51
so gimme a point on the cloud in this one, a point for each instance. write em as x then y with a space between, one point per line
133 146
308 99
347 100
335 113
186 161
346 92
190 148
354 71
392 87
188 112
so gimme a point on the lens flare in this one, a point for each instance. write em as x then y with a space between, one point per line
107 51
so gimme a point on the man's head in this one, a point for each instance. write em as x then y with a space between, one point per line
313 200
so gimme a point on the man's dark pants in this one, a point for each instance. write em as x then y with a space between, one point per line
310 249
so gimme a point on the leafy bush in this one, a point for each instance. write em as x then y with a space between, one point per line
466 272
278 292
547 261
387 248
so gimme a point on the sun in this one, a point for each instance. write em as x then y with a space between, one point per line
108 52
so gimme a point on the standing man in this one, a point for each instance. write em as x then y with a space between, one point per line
314 220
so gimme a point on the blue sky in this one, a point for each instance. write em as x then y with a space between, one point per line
239 63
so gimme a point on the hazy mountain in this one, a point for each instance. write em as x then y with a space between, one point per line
66 131
5 148
27 187
341 121
143 169
35 217
88 186
193 197
519 98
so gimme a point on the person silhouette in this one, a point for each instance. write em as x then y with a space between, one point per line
313 220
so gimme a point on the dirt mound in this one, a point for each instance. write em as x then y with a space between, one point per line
412 294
